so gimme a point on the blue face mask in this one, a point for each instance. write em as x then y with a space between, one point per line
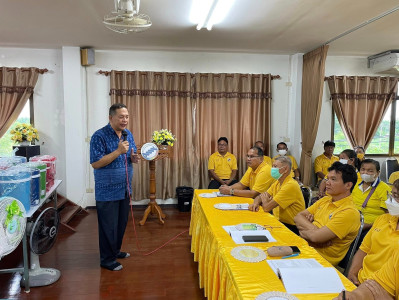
275 173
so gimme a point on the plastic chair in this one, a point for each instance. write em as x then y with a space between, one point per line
391 165
347 260
307 194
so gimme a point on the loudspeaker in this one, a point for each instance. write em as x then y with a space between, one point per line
87 56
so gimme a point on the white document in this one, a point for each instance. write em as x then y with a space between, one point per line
311 280
293 263
237 235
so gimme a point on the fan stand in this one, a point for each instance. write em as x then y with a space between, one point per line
40 276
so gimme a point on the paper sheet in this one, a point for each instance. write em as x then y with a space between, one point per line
311 280
293 263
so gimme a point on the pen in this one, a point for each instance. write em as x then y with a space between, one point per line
292 255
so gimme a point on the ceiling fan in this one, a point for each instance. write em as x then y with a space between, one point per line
126 17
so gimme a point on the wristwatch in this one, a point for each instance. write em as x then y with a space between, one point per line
232 192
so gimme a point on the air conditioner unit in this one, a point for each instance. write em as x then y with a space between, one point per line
386 62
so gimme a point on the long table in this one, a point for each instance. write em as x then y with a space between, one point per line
224 277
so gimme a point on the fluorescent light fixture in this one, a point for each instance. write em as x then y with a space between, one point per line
206 13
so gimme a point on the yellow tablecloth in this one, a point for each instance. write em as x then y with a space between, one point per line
224 277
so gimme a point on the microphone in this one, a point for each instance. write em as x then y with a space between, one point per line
124 135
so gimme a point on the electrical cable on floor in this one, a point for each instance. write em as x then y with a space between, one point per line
134 225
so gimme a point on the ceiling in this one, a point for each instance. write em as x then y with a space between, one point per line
253 26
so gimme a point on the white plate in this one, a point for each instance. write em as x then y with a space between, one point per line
248 254
249 226
208 195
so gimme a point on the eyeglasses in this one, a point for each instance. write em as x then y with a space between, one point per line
251 156
224 145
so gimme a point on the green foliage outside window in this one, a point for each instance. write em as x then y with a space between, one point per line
5 142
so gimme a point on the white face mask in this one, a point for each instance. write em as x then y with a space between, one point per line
282 152
367 177
343 161
392 206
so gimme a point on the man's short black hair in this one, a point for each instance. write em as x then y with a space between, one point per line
258 150
347 172
223 139
114 107
371 161
329 144
282 143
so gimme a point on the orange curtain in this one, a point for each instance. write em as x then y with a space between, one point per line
16 86
198 109
236 106
312 92
360 103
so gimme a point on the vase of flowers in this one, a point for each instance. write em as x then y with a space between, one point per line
163 138
24 134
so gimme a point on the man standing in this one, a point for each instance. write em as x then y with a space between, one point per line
257 178
222 166
282 150
112 151
332 223
325 160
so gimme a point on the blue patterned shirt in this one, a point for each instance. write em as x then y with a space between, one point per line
110 180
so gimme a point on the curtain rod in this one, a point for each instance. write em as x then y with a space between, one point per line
384 14
40 71
107 73
360 77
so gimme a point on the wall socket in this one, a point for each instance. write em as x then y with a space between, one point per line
89 190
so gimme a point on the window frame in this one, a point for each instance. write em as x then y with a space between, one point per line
392 123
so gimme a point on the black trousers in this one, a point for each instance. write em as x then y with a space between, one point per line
214 184
112 220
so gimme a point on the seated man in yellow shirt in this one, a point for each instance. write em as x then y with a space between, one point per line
282 150
222 166
266 158
256 180
379 243
370 195
383 284
332 223
284 196
325 160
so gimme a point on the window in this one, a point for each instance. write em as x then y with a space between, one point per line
26 116
386 139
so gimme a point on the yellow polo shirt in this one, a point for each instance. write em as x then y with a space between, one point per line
289 198
393 177
322 163
388 275
258 180
376 202
222 165
343 219
379 244
267 159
